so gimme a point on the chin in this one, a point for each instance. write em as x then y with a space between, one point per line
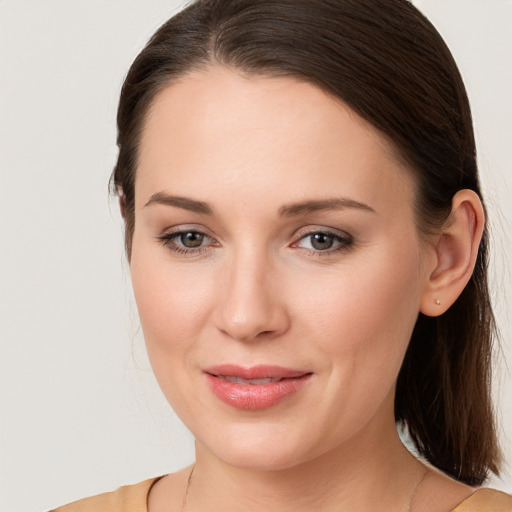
258 460
252 447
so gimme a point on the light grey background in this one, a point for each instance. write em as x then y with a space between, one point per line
80 412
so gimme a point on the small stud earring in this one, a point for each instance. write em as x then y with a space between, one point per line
437 302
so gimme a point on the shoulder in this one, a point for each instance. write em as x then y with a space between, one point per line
486 500
129 498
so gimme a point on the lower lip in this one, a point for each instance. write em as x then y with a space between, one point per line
254 397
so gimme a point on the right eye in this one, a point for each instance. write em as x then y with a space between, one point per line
191 239
186 241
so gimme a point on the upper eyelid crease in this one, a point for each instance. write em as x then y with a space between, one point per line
310 230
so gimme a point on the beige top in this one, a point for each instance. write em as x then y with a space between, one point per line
133 498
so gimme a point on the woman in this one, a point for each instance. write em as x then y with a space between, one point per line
308 249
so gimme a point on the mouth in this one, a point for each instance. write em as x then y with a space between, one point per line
254 373
255 388
250 382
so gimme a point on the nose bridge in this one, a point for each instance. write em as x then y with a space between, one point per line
249 306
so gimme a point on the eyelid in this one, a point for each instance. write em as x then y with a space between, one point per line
345 240
168 236
310 230
187 228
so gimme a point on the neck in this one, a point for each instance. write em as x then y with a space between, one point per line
367 470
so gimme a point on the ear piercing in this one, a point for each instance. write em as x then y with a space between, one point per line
437 302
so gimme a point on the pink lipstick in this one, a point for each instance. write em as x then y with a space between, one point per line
258 387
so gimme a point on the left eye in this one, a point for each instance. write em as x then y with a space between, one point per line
323 241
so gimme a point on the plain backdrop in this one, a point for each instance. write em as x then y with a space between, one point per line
80 412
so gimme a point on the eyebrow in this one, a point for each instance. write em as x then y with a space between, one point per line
180 202
289 210
335 203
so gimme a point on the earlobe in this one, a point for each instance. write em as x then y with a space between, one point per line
456 250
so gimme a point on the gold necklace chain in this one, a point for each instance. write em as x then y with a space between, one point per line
183 503
411 499
415 490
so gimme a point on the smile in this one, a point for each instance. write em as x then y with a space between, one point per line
255 388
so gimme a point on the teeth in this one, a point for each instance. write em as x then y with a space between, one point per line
239 380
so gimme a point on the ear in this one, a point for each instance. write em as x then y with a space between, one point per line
455 251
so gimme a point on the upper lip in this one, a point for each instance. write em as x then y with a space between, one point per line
261 371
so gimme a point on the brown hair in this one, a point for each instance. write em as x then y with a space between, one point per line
389 64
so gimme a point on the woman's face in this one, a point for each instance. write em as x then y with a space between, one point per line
274 228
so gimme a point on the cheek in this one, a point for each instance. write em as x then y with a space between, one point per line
170 299
364 313
361 325
171 304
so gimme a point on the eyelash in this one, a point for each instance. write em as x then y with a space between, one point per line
167 239
344 242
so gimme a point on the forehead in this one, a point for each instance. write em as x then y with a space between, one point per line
276 135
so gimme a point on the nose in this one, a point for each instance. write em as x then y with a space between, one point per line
250 305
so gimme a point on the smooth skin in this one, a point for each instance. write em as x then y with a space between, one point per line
276 226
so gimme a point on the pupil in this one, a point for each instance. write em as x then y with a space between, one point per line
322 241
192 239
